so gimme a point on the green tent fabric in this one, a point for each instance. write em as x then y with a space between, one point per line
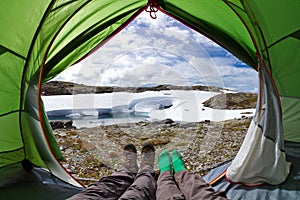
39 39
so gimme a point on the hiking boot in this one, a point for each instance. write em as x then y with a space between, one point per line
130 159
148 156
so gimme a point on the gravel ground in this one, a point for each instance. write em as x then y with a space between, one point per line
91 153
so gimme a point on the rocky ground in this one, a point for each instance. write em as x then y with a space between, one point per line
91 153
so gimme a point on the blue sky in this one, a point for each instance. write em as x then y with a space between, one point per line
162 51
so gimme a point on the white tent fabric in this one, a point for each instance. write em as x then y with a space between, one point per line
262 151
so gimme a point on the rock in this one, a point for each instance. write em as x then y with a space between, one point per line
61 124
167 121
69 125
232 101
57 125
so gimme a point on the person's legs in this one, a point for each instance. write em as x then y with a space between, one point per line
191 185
110 187
166 186
113 186
194 187
144 185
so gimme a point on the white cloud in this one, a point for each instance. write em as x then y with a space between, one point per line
156 74
161 51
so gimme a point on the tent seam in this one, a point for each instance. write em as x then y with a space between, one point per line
104 41
40 86
188 24
283 38
13 52
256 24
243 21
8 113
46 13
65 50
9 151
291 97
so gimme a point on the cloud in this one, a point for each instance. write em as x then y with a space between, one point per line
156 74
162 51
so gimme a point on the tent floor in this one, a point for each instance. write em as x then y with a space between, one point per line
290 189
34 185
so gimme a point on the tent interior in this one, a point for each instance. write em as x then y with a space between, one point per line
40 39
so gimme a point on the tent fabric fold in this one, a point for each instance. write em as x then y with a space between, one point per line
261 158
39 39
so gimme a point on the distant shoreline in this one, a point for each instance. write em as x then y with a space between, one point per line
69 88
